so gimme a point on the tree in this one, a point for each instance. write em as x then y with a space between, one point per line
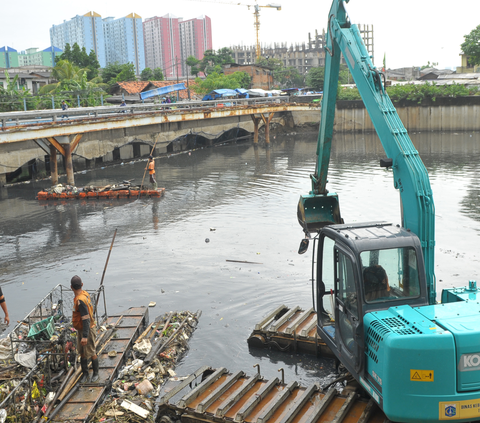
214 61
471 46
80 58
315 78
216 81
146 75
193 63
11 97
158 74
114 72
284 77
127 73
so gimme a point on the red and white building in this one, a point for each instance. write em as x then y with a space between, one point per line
169 41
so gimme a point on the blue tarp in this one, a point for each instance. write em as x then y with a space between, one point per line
220 93
162 91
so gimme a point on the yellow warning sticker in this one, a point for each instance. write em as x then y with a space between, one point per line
421 375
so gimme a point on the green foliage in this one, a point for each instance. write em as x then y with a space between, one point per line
284 77
216 81
158 74
114 72
11 96
79 57
471 46
315 78
414 92
428 91
146 75
213 61
347 93
429 65
127 73
193 63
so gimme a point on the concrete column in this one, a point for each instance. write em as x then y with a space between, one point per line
53 165
69 164
3 179
267 131
256 121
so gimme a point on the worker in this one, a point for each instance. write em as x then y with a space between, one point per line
151 171
84 323
3 304
64 108
376 283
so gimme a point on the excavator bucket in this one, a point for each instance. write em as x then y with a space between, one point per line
316 211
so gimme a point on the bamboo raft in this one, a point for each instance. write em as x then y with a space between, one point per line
107 194
80 401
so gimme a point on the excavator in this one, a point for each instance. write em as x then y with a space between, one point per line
374 285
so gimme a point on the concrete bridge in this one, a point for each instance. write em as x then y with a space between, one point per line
90 133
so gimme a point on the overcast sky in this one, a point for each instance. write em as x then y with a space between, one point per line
408 32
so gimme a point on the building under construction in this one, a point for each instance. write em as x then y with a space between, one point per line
302 56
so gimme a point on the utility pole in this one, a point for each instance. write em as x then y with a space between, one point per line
188 89
176 66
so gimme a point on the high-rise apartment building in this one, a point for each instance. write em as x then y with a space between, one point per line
124 41
195 39
169 41
45 57
8 57
162 44
86 31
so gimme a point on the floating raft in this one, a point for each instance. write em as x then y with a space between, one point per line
290 329
123 193
225 397
127 326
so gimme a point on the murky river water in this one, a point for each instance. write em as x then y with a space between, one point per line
249 198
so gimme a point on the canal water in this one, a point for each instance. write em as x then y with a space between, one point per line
224 205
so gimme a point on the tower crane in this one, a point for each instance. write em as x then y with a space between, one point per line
256 13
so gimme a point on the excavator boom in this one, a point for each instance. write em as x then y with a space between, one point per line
410 174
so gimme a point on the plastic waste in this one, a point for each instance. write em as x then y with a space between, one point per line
144 387
3 415
28 359
143 347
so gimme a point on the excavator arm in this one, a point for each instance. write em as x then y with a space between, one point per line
409 172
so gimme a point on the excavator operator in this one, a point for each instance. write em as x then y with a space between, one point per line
376 283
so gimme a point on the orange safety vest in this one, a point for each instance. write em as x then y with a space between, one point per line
77 317
151 167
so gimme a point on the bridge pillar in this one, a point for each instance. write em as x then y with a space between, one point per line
3 179
256 121
266 121
69 164
53 165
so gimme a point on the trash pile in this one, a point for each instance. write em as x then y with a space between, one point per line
151 363
69 189
35 357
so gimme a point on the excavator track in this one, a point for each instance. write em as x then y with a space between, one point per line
221 396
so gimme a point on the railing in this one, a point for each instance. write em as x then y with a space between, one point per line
10 119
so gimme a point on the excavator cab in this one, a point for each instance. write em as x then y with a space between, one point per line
364 268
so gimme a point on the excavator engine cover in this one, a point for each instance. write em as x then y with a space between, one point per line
316 211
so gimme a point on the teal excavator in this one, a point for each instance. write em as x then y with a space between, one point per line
375 284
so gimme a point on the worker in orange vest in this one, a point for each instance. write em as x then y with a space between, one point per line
151 171
3 304
84 322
